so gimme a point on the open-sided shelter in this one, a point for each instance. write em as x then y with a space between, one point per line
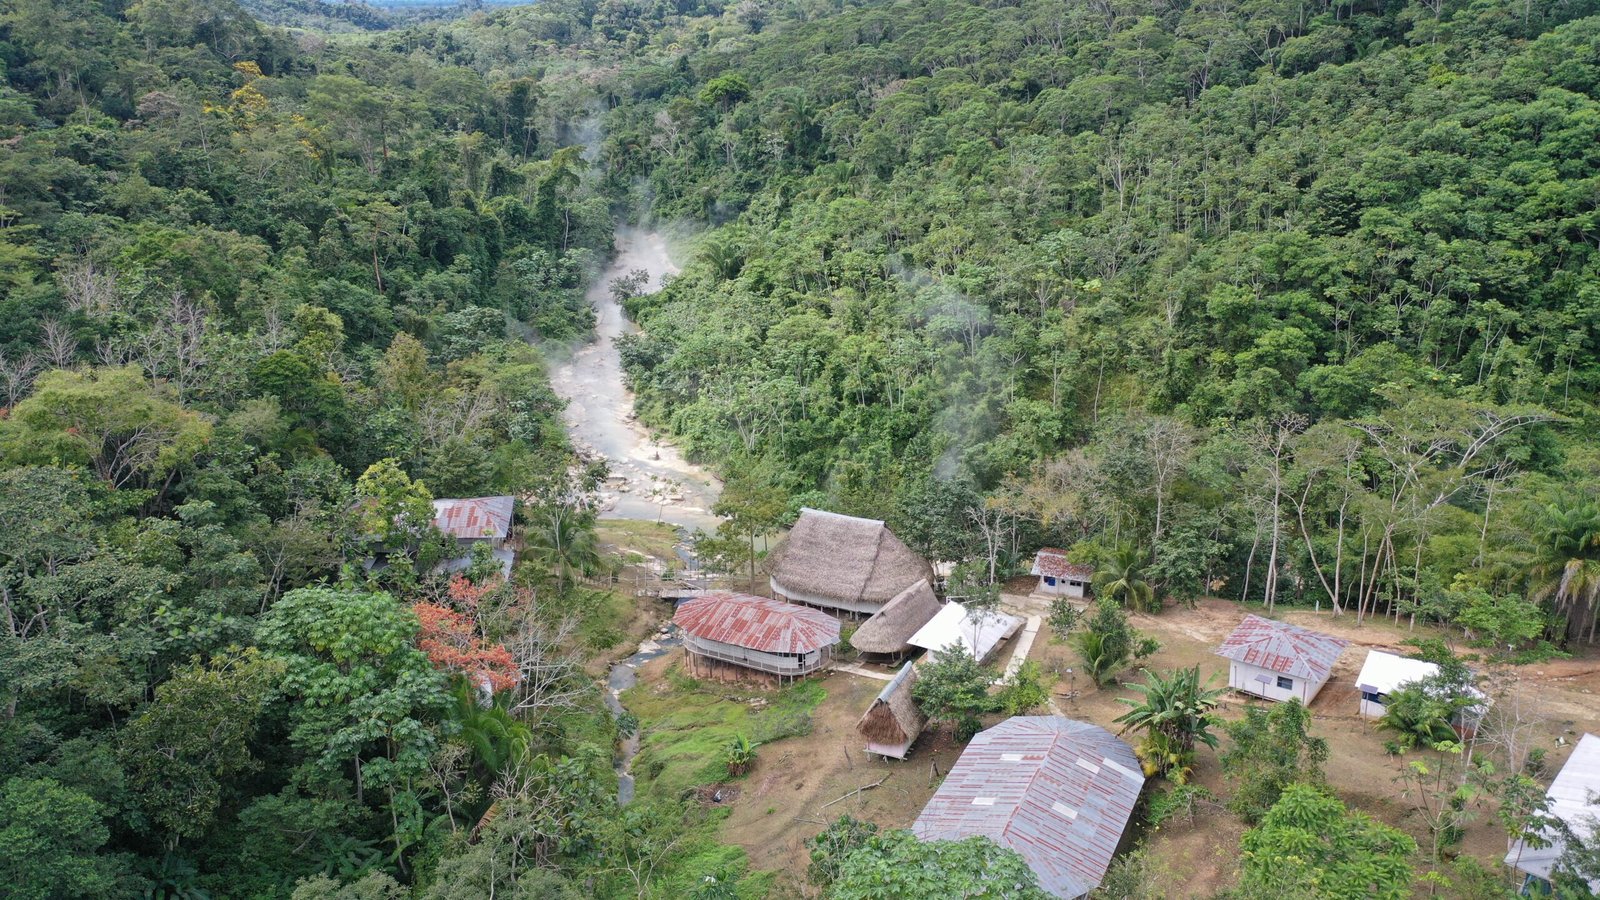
980 631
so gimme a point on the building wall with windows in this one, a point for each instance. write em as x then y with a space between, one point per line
1272 685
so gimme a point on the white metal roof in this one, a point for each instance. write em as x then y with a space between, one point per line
978 630
1384 673
1570 794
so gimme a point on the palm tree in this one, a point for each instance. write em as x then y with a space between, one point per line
1175 714
497 740
1121 578
1567 572
564 545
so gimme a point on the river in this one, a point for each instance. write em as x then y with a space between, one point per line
650 479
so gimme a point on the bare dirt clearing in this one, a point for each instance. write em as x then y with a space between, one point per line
780 804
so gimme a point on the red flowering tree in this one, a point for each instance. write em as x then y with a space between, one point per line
453 642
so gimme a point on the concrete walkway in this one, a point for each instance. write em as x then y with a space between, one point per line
1024 644
854 669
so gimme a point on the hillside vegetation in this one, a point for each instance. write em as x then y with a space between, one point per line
1276 302
1296 298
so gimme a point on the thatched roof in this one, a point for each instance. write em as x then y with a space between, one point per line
893 719
890 628
833 560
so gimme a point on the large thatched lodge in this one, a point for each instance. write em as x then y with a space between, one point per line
732 635
843 563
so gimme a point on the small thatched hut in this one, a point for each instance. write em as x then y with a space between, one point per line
893 722
843 563
889 631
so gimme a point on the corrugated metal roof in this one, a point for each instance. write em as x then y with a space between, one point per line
1057 791
757 623
1383 673
1052 561
1569 795
1281 647
979 630
474 517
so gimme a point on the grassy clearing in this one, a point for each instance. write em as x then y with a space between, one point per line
633 541
686 724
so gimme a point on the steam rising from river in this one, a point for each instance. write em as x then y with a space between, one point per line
650 479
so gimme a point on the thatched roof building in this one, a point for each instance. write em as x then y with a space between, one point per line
842 562
892 723
889 631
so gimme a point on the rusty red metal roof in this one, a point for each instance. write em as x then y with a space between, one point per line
1057 791
1052 561
757 623
476 517
1281 647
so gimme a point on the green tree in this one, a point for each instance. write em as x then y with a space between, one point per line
111 420
185 749
563 543
833 845
395 509
362 695
1025 690
1427 710
1310 845
954 690
1271 748
752 504
1175 714
897 864
51 841
1566 570
739 755
1108 644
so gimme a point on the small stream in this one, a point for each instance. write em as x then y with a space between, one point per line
650 480
623 676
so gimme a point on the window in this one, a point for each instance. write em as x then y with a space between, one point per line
1372 696
1050 580
1285 683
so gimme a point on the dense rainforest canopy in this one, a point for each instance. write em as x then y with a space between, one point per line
1298 299
1280 301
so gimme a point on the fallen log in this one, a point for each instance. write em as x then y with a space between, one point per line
864 787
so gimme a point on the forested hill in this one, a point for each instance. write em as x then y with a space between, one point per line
321 15
261 296
1145 273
